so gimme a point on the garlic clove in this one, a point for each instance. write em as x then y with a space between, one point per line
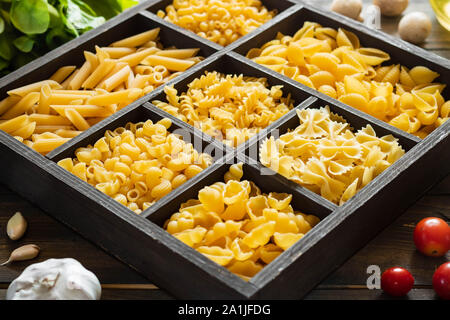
16 227
26 252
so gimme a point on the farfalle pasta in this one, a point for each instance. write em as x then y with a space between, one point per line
237 226
46 114
220 21
334 63
137 164
230 108
325 156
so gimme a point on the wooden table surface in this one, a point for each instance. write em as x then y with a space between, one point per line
392 247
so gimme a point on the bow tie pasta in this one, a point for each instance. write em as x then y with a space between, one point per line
46 114
237 226
220 21
137 164
230 108
334 63
325 156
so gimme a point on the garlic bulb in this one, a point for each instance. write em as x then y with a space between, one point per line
55 279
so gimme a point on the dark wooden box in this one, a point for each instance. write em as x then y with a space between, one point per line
141 242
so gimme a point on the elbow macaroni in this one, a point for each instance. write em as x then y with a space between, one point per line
73 99
137 164
219 21
334 63
237 226
325 156
230 108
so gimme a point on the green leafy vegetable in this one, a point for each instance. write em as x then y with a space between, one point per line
2 25
30 16
24 44
30 28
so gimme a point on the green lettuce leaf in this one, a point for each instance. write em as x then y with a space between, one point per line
24 44
30 16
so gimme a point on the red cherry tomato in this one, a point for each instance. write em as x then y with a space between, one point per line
432 237
441 281
397 281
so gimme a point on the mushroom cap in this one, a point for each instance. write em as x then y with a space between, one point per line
391 8
55 279
414 27
348 8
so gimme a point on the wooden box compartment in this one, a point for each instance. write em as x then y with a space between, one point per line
279 5
231 63
141 242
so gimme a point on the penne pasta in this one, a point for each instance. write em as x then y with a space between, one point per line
118 52
8 102
22 106
44 119
170 63
67 133
52 128
75 98
77 119
47 145
137 40
178 53
12 124
135 58
34 87
62 73
84 110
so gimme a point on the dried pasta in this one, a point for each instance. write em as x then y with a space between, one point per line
220 21
45 114
325 156
137 164
230 108
237 226
334 63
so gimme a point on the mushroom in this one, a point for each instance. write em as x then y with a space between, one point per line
414 27
55 279
348 8
391 8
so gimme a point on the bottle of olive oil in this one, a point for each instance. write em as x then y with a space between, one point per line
442 10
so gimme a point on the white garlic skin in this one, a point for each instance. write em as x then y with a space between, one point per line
55 279
348 8
414 27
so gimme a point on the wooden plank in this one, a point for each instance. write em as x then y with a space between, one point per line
55 241
365 294
394 247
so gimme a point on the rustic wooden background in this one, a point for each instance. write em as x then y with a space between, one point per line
392 247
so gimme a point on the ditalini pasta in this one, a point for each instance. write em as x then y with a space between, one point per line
230 108
46 114
220 21
237 226
325 156
137 164
334 63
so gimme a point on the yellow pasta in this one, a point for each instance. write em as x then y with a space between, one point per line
334 63
325 156
74 99
131 163
219 21
230 108
237 226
